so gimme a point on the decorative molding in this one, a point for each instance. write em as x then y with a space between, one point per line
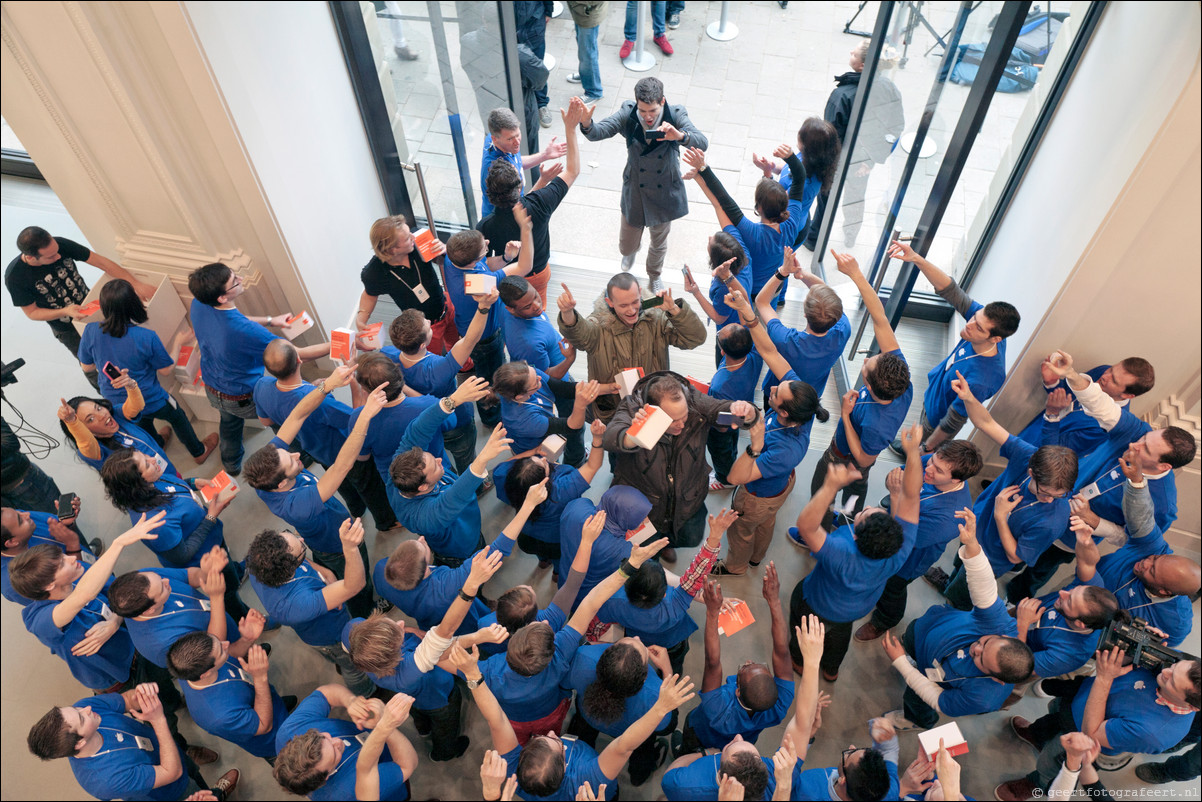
177 257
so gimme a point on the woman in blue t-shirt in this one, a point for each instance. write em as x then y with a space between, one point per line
96 428
119 341
528 401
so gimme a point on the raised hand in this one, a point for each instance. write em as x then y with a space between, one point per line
1027 613
142 530
912 440
738 302
587 392
782 151
549 170
1129 464
669 306
522 216
1080 528
252 625
719 523
694 157
597 428
1007 500
255 662
961 389
771 589
841 474
893 480
493 633
124 380
375 401
465 661
892 646
150 709
485 563
810 634
585 792
846 263
784 760
567 349
496 444
473 389
640 554
536 495
1058 401
902 251
554 149
212 584
690 286
712 596
729 789
881 730
396 710
968 529
592 526
1060 363
674 692
565 301
66 413
764 164
350 532
493 772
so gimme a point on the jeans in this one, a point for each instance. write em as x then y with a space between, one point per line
659 19
362 604
358 682
723 449
363 490
488 355
234 415
834 645
590 63
170 413
891 607
461 443
36 491
689 534
64 331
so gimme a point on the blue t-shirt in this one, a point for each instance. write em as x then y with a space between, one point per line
699 780
1173 616
1108 481
845 585
737 384
937 525
41 535
765 245
784 449
121 769
301 507
566 485
102 670
430 690
1076 430
720 716
666 624
609 549
1134 721
876 423
184 515
944 634
1034 524
532 698
231 348
555 617
388 427
323 432
811 356
428 602
584 674
227 709
140 351
491 154
581 767
527 421
186 610
129 435
433 375
313 712
718 291
465 307
816 784
299 603
1058 648
984 375
533 340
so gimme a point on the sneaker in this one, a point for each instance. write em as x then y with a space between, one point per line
1112 762
384 606
210 444
664 44
667 555
1152 773
720 569
869 632
590 99
227 784
575 78
896 448
642 772
674 21
202 755
937 578
716 486
794 537
1022 729
625 49
655 285
405 54
1038 690
97 547
544 117
1018 790
899 721
627 262
456 751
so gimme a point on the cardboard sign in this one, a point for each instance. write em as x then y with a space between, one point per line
553 446
220 482
737 616
427 244
953 741
90 308
371 338
699 385
640 536
627 379
648 431
296 325
342 345
479 283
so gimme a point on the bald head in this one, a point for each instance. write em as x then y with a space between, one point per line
281 359
1179 576
756 687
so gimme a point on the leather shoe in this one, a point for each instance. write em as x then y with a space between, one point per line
869 632
1152 773
1022 728
227 783
210 444
667 555
1018 790
202 755
937 578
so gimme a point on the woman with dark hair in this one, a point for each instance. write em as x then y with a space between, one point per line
96 428
514 478
138 485
528 401
119 341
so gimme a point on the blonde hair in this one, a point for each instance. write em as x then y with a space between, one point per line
384 234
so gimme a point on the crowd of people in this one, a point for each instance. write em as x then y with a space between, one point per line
577 688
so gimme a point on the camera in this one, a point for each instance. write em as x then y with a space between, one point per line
8 372
1142 645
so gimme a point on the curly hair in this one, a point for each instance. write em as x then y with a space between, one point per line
296 765
890 378
125 487
879 536
621 674
269 559
503 185
869 777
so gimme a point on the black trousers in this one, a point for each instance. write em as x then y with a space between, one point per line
723 451
362 603
64 331
834 645
891 608
644 759
362 490
858 488
1034 577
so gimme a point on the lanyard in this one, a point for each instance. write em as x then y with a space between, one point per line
922 498
1023 488
200 607
121 738
406 283
1148 603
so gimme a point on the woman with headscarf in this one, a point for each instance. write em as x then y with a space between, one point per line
626 511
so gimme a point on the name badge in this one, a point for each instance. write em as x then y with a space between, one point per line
106 613
420 293
144 743
159 461
361 737
244 675
1090 491
205 604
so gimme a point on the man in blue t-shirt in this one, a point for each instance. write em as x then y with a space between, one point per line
323 432
979 357
120 747
302 500
529 335
967 662
856 560
231 352
738 369
1023 511
871 417
434 375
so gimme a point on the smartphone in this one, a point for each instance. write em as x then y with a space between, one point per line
687 273
653 135
729 419
112 371
657 300
66 505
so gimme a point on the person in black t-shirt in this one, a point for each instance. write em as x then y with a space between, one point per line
398 271
504 187
45 283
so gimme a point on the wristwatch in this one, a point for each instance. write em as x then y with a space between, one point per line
752 453
451 403
472 684
465 597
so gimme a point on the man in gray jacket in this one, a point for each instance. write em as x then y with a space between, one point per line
653 193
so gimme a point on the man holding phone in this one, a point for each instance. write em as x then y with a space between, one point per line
654 132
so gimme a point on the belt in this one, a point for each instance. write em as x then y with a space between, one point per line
835 450
774 495
228 397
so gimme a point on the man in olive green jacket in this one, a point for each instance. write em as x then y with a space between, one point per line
620 334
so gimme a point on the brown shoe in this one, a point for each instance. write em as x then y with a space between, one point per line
667 555
202 755
1022 728
165 434
869 632
210 444
1014 698
228 783
1019 790
828 676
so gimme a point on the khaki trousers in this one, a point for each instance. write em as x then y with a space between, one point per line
750 535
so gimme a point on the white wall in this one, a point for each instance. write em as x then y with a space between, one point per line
281 72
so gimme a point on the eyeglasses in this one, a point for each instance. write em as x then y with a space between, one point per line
848 753
1039 491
